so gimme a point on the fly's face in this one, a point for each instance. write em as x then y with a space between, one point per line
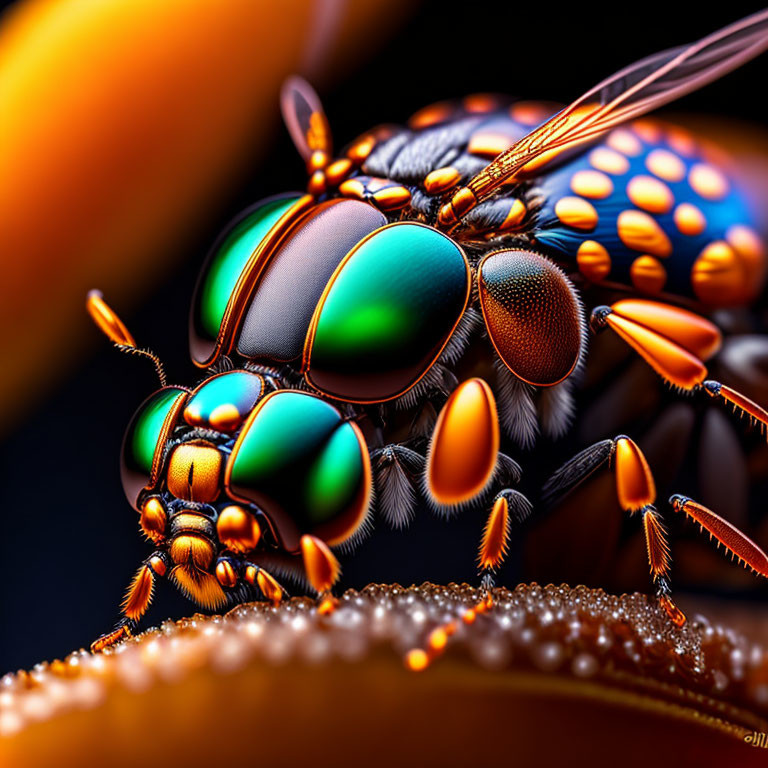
287 458
227 473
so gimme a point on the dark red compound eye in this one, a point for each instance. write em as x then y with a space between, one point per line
532 315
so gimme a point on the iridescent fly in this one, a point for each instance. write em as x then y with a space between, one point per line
333 327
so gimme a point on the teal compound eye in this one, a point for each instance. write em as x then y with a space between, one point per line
232 266
387 313
304 466
224 401
145 437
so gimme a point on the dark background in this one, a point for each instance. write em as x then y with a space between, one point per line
69 540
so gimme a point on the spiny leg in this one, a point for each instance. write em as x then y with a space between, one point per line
735 542
463 460
136 601
660 562
508 505
636 492
239 531
674 342
741 403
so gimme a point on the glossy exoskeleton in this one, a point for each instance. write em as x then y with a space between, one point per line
332 327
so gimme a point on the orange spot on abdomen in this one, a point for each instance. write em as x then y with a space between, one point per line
708 181
576 212
666 165
689 219
718 277
594 184
594 260
638 231
650 194
648 274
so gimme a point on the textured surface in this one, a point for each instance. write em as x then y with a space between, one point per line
549 671
532 315
226 263
277 319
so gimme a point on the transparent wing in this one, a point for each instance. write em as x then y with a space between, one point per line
631 92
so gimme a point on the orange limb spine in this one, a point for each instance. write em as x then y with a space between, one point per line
267 583
493 547
656 543
139 594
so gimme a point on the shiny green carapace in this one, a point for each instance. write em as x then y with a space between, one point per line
390 309
299 461
142 437
226 263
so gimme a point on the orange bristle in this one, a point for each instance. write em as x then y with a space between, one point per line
200 586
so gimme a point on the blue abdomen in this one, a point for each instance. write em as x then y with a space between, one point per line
649 208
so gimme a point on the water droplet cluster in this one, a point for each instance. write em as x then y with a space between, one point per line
625 642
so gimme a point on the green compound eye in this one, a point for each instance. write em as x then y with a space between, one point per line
308 469
224 267
387 313
143 442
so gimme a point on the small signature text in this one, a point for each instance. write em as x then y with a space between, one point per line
756 739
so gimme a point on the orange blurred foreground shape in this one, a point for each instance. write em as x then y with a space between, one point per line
124 124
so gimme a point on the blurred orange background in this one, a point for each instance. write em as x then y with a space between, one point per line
123 124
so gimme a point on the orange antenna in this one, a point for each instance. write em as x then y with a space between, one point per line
306 122
114 329
630 93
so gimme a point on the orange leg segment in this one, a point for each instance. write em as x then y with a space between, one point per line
734 541
322 569
137 599
636 492
507 506
740 403
674 342
266 582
